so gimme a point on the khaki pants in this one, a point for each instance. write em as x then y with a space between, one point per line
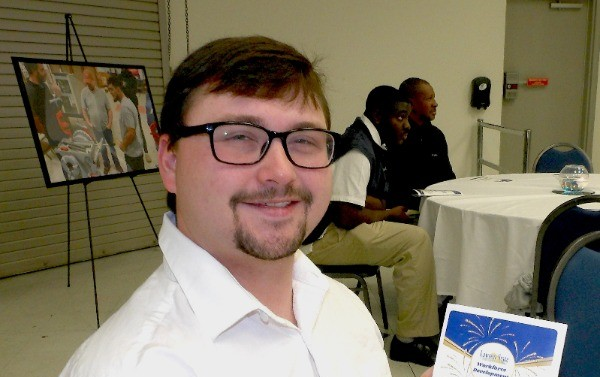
406 248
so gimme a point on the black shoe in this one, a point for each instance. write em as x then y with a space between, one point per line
420 351
442 309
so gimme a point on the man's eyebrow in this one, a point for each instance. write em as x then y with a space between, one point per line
309 125
261 122
242 118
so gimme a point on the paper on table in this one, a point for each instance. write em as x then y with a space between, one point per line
419 192
484 343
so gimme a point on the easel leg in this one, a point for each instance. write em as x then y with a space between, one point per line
143 206
68 235
87 211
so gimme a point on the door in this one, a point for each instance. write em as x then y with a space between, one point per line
547 43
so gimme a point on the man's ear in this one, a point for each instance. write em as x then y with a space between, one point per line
167 163
376 117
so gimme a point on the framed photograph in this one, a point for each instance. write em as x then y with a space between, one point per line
89 121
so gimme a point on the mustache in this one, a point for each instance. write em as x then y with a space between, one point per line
271 193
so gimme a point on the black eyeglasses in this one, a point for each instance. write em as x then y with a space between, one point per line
244 143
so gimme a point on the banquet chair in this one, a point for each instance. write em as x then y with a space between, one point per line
574 300
562 226
359 272
554 157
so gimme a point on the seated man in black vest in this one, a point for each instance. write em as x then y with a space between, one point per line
362 231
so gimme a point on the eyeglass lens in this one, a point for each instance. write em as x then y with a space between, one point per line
243 144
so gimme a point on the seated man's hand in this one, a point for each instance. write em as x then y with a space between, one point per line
398 214
428 373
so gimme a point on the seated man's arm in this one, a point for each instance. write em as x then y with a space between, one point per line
350 205
348 215
374 203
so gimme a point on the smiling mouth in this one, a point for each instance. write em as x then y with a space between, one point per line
273 205
276 205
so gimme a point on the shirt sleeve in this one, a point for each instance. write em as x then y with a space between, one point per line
84 105
107 104
128 118
350 178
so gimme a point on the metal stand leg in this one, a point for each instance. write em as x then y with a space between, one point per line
382 300
87 211
68 235
143 206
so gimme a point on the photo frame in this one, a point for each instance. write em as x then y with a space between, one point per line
89 121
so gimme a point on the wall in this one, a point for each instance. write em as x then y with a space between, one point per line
364 44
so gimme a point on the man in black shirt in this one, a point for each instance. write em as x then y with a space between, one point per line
45 106
422 159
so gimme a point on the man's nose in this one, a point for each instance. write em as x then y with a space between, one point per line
275 166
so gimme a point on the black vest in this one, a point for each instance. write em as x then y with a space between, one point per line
357 136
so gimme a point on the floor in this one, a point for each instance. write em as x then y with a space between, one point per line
44 321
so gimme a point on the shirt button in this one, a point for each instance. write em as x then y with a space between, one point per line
264 317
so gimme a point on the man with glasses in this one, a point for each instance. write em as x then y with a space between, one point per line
362 229
245 155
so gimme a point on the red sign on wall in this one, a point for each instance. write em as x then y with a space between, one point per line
537 81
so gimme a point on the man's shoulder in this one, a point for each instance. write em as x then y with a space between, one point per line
117 346
31 86
128 103
357 137
434 130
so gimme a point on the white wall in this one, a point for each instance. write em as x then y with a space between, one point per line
363 44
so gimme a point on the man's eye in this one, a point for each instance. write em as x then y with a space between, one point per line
302 140
237 136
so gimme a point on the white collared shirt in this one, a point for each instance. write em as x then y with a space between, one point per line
192 318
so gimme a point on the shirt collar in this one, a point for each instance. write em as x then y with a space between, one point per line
218 299
372 130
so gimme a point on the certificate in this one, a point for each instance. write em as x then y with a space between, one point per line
484 343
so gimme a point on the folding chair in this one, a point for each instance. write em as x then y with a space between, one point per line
554 157
574 299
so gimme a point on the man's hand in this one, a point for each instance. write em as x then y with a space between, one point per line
428 373
398 214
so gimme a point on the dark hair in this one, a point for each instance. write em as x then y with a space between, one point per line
30 67
246 66
254 66
382 99
410 87
115 80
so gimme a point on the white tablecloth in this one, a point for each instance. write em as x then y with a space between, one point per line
484 239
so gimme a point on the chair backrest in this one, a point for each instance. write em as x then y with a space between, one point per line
574 299
562 226
553 158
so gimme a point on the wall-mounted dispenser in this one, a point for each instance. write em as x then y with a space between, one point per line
480 96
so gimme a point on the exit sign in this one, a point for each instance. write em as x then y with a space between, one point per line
537 81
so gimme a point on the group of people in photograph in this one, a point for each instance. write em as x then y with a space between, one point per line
90 120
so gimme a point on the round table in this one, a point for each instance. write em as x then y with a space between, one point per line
484 239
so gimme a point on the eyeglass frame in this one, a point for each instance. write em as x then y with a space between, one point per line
209 128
